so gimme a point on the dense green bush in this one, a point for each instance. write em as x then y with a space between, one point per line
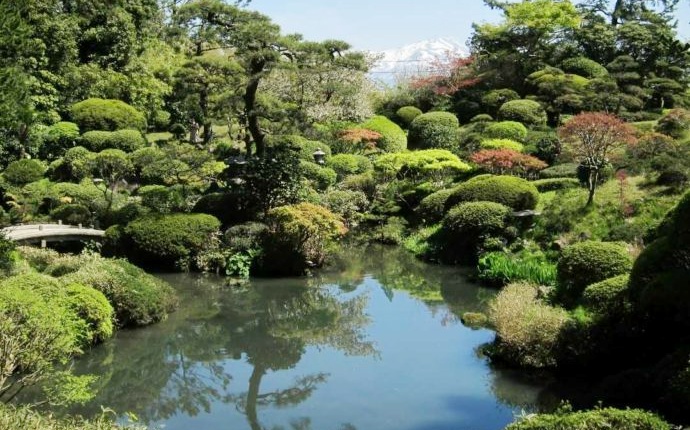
566 170
25 418
544 145
104 114
407 114
137 297
125 140
607 297
516 193
553 184
73 166
506 130
229 208
421 165
169 239
162 199
527 112
675 123
351 205
467 227
94 308
597 419
58 138
481 118
434 130
494 99
320 177
306 147
299 237
72 213
349 164
393 138
245 237
585 263
502 144
527 330
23 171
583 66
432 208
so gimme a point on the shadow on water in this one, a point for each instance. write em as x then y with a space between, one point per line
374 341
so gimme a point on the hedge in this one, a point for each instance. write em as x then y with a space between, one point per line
106 114
554 184
516 193
434 130
94 308
349 164
125 140
506 130
502 144
393 138
565 170
527 112
426 163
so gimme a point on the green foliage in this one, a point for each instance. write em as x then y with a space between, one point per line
407 114
58 138
432 208
393 138
162 199
72 213
95 309
349 204
494 99
675 123
607 297
349 164
391 232
468 226
481 118
499 268
137 297
246 237
585 263
527 329
23 171
554 184
168 239
434 130
305 147
299 236
516 193
73 166
584 66
597 419
510 130
110 115
421 165
502 144
544 145
565 170
125 140
320 177
527 112
7 248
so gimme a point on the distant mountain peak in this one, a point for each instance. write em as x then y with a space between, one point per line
414 59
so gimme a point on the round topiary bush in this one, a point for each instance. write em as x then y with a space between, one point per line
125 140
162 199
435 164
138 298
434 130
349 164
482 117
320 177
177 130
432 208
494 99
586 263
23 171
306 147
58 138
407 114
583 66
565 170
475 219
554 184
94 308
516 193
393 138
607 297
502 144
511 130
72 213
106 114
527 112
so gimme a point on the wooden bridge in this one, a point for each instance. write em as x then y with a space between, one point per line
44 233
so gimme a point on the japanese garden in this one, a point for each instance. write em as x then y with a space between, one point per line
210 223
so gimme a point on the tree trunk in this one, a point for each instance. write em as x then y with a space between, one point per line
250 109
617 12
592 184
252 397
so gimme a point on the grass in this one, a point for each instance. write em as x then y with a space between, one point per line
219 131
498 268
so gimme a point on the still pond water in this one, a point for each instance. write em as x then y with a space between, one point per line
373 343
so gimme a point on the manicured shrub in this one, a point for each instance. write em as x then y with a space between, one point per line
94 308
516 193
58 138
393 138
349 164
167 239
299 236
432 208
527 330
585 263
527 112
554 184
511 130
434 130
583 66
125 140
494 99
137 297
407 114
162 199
23 171
320 177
177 130
420 165
675 123
245 237
565 170
607 297
72 213
104 114
597 419
481 118
306 147
502 144
466 227
507 161
350 205
74 165
544 144
229 208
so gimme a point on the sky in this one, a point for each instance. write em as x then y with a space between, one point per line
384 24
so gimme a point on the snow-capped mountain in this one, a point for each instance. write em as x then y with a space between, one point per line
415 59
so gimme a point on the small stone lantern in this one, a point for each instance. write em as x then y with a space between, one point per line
319 156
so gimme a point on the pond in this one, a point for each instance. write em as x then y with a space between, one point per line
374 342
